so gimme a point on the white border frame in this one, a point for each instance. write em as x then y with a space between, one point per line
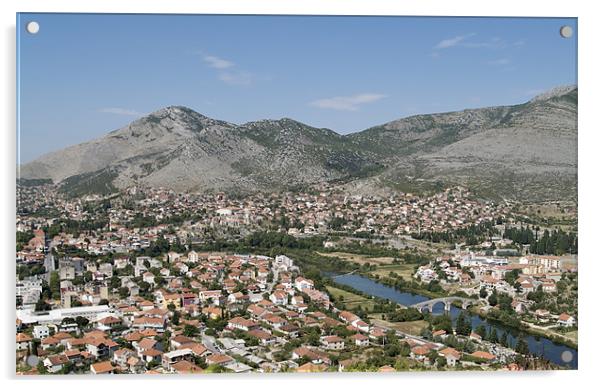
590 138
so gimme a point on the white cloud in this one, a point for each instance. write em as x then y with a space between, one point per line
120 111
464 41
228 72
451 42
349 103
217 62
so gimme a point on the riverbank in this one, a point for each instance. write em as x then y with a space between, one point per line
411 290
555 337
557 351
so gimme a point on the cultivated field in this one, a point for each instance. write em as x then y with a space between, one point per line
413 328
350 300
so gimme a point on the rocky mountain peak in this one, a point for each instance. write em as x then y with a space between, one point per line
554 92
521 151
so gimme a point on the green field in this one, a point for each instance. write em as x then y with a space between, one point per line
350 300
413 328
404 271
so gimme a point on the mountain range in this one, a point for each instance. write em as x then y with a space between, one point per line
524 152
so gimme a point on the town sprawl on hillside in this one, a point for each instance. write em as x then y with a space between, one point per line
154 280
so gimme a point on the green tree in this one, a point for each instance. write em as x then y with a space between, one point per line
522 346
492 299
481 330
55 285
483 293
463 324
191 331
175 319
124 292
504 339
81 322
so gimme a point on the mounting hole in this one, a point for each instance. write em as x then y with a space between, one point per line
566 356
566 31
33 27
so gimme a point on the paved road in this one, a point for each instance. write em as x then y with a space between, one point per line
49 265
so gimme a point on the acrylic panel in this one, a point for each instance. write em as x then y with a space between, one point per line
229 193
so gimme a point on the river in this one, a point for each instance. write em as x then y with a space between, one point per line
543 347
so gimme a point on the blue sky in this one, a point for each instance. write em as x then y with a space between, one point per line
83 75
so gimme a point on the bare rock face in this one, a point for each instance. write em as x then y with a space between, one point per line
526 151
521 152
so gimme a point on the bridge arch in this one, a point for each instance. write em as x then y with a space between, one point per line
447 303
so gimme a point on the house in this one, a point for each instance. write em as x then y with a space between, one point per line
101 368
145 344
75 356
151 355
311 367
49 342
149 278
40 331
189 299
185 367
218 359
55 363
241 323
419 353
348 317
23 341
297 300
193 257
483 356
108 323
180 340
333 342
210 296
135 365
518 306
476 337
279 297
121 356
490 283
212 312
197 349
101 347
157 324
360 340
439 333
303 284
346 364
566 320
274 320
170 358
256 311
426 274
290 330
316 356
361 326
263 336
452 356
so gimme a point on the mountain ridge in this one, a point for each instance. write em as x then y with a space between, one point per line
179 148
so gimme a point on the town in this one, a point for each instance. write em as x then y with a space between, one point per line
154 281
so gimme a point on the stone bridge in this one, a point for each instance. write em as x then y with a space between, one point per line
447 302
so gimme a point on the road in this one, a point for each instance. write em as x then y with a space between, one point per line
49 265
